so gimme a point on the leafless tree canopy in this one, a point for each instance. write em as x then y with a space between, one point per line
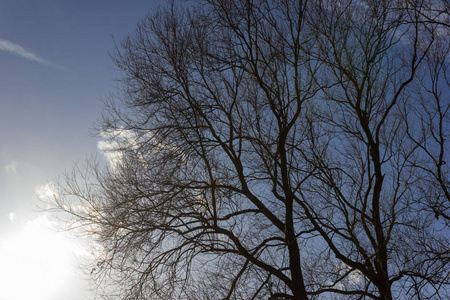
279 149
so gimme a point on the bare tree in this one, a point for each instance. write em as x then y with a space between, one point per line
269 149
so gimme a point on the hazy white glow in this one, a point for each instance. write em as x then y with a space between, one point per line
35 263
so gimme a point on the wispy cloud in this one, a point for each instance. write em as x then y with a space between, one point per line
113 143
11 168
12 217
46 191
19 50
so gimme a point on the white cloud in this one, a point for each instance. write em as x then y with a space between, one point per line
11 168
19 50
112 144
11 217
48 191
353 277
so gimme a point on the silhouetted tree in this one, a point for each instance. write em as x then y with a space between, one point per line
277 149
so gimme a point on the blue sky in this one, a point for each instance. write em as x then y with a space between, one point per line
54 69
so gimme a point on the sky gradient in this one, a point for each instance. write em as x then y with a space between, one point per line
54 70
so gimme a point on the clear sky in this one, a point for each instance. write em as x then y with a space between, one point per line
54 69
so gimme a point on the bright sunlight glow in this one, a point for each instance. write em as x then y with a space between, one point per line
35 262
